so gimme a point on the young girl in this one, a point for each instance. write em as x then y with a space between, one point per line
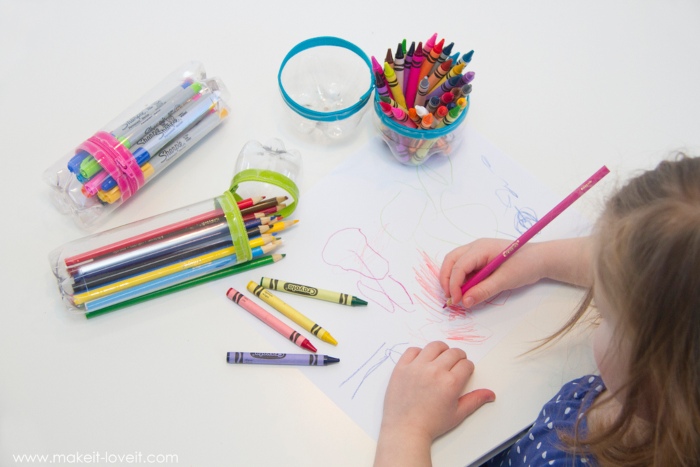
642 268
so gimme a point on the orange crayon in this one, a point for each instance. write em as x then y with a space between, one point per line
427 122
413 115
432 53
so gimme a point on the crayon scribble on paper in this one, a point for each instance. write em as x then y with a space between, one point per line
375 361
349 249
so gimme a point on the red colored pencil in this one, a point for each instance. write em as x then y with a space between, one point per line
152 235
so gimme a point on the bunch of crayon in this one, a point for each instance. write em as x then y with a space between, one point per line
424 87
263 292
151 139
170 258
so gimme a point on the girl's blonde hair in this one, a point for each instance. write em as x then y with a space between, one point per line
648 267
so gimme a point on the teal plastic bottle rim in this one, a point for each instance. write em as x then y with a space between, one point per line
417 133
336 114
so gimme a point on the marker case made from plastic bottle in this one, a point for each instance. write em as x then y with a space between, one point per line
104 171
137 261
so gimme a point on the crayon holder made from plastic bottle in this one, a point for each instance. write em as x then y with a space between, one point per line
109 167
325 83
183 247
414 146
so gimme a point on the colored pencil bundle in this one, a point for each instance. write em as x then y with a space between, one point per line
423 86
172 256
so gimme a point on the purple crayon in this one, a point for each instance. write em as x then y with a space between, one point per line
407 66
258 358
398 65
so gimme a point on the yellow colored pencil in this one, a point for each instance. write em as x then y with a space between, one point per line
129 282
281 225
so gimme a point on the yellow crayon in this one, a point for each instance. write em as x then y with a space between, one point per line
294 315
394 85
130 282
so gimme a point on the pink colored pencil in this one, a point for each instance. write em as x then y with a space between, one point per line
532 231
267 318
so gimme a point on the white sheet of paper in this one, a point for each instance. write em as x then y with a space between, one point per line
379 230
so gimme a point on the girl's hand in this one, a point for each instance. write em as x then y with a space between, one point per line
424 400
566 260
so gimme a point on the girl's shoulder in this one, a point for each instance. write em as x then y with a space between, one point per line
578 388
541 445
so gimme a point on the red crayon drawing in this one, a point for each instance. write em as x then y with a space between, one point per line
349 249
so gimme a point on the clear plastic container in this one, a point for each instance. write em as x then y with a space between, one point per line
326 83
414 146
186 246
108 168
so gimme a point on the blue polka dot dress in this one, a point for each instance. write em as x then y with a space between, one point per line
541 446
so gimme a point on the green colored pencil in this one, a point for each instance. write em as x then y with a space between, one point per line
235 269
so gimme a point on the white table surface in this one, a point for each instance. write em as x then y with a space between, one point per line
561 87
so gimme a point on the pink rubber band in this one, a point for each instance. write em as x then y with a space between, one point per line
117 160
96 150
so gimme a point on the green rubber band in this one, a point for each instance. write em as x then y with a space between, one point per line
227 202
271 177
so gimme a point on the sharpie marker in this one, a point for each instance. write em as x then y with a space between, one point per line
145 121
113 194
257 358
139 125
167 130
175 147
188 139
75 161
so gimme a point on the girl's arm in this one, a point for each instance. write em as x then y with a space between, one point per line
566 260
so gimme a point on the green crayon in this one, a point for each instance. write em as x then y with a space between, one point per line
313 292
